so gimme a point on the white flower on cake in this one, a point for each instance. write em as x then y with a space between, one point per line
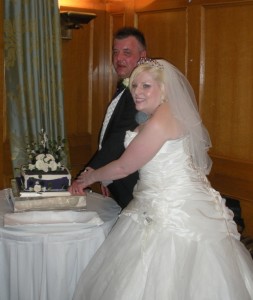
41 165
40 157
31 167
45 163
37 187
48 158
54 166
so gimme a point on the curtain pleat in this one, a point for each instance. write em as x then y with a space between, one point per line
33 73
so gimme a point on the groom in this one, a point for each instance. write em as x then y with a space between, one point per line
129 46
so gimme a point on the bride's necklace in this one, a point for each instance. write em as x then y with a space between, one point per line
141 117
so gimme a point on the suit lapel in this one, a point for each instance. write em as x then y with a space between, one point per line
119 104
119 89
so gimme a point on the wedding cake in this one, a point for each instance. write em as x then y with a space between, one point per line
44 171
51 179
42 183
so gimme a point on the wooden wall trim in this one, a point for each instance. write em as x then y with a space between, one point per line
225 98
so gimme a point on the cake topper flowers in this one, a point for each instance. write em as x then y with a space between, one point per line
46 155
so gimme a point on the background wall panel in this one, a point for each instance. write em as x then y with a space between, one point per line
166 33
226 98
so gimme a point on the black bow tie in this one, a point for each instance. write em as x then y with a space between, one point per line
121 86
119 89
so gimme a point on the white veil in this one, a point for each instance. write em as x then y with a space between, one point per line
180 95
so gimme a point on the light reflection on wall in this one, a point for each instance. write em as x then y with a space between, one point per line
77 3
95 3
143 3
82 3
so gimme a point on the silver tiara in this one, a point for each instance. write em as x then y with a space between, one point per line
151 62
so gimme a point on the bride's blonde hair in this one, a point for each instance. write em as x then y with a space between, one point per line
155 70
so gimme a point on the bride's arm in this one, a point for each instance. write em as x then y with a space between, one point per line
141 150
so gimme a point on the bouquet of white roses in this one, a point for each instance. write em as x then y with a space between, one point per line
46 155
45 163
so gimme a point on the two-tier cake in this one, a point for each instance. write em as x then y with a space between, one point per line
44 170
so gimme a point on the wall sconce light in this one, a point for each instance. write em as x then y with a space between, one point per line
73 20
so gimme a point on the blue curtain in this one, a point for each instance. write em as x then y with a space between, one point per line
33 73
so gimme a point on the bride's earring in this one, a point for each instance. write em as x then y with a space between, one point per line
162 100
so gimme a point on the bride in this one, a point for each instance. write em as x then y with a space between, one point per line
176 240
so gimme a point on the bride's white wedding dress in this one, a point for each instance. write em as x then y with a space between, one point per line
175 241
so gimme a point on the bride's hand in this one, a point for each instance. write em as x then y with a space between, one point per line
76 189
78 185
84 179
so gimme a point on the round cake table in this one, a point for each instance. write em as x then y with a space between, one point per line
45 261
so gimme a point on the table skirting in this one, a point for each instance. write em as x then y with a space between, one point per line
44 262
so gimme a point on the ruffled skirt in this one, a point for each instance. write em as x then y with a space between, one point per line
139 262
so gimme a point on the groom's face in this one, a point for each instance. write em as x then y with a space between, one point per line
126 54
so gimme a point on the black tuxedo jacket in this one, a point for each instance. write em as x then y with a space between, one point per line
122 119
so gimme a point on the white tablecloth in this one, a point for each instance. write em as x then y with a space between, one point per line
44 262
